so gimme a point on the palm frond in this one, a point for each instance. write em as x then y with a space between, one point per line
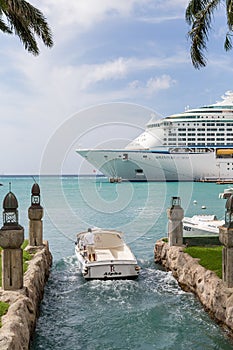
229 13
26 21
199 16
24 33
198 49
192 9
2 4
228 42
4 28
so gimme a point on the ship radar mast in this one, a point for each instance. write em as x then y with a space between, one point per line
227 99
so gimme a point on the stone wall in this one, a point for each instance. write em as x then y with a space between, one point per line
19 322
215 297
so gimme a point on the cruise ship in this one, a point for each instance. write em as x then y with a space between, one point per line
196 145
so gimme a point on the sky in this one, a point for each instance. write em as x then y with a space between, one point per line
114 65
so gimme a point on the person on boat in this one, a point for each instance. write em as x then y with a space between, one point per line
89 242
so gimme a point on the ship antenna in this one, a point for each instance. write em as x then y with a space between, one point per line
9 186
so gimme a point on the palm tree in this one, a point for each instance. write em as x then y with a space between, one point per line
199 15
26 21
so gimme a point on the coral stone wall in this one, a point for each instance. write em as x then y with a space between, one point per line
216 298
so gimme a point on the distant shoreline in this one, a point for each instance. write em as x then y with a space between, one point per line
53 175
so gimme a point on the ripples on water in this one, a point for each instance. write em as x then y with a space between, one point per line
149 313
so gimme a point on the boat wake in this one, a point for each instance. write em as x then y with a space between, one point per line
120 314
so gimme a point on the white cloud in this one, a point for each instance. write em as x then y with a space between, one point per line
109 70
86 13
164 11
176 3
152 85
122 67
170 4
135 84
159 83
65 88
160 19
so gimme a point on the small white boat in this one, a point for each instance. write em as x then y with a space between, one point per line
201 225
227 193
109 257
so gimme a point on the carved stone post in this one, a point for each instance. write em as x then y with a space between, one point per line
11 239
175 216
35 214
226 238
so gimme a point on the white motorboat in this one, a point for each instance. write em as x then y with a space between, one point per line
109 258
226 193
190 146
201 225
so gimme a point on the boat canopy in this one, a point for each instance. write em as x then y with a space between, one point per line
226 151
105 239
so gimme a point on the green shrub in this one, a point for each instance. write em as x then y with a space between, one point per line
3 310
210 257
26 256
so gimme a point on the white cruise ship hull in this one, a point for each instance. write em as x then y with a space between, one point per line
194 145
148 165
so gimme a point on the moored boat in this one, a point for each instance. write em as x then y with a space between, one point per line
201 225
105 255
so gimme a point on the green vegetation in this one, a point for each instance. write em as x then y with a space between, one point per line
3 310
26 256
210 257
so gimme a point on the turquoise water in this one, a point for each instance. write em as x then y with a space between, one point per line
149 313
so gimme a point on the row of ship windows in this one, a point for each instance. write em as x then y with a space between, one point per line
188 124
199 134
206 124
202 129
207 116
203 124
191 143
198 139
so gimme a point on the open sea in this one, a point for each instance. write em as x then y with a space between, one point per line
151 312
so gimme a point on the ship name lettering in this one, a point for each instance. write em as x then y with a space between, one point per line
112 273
